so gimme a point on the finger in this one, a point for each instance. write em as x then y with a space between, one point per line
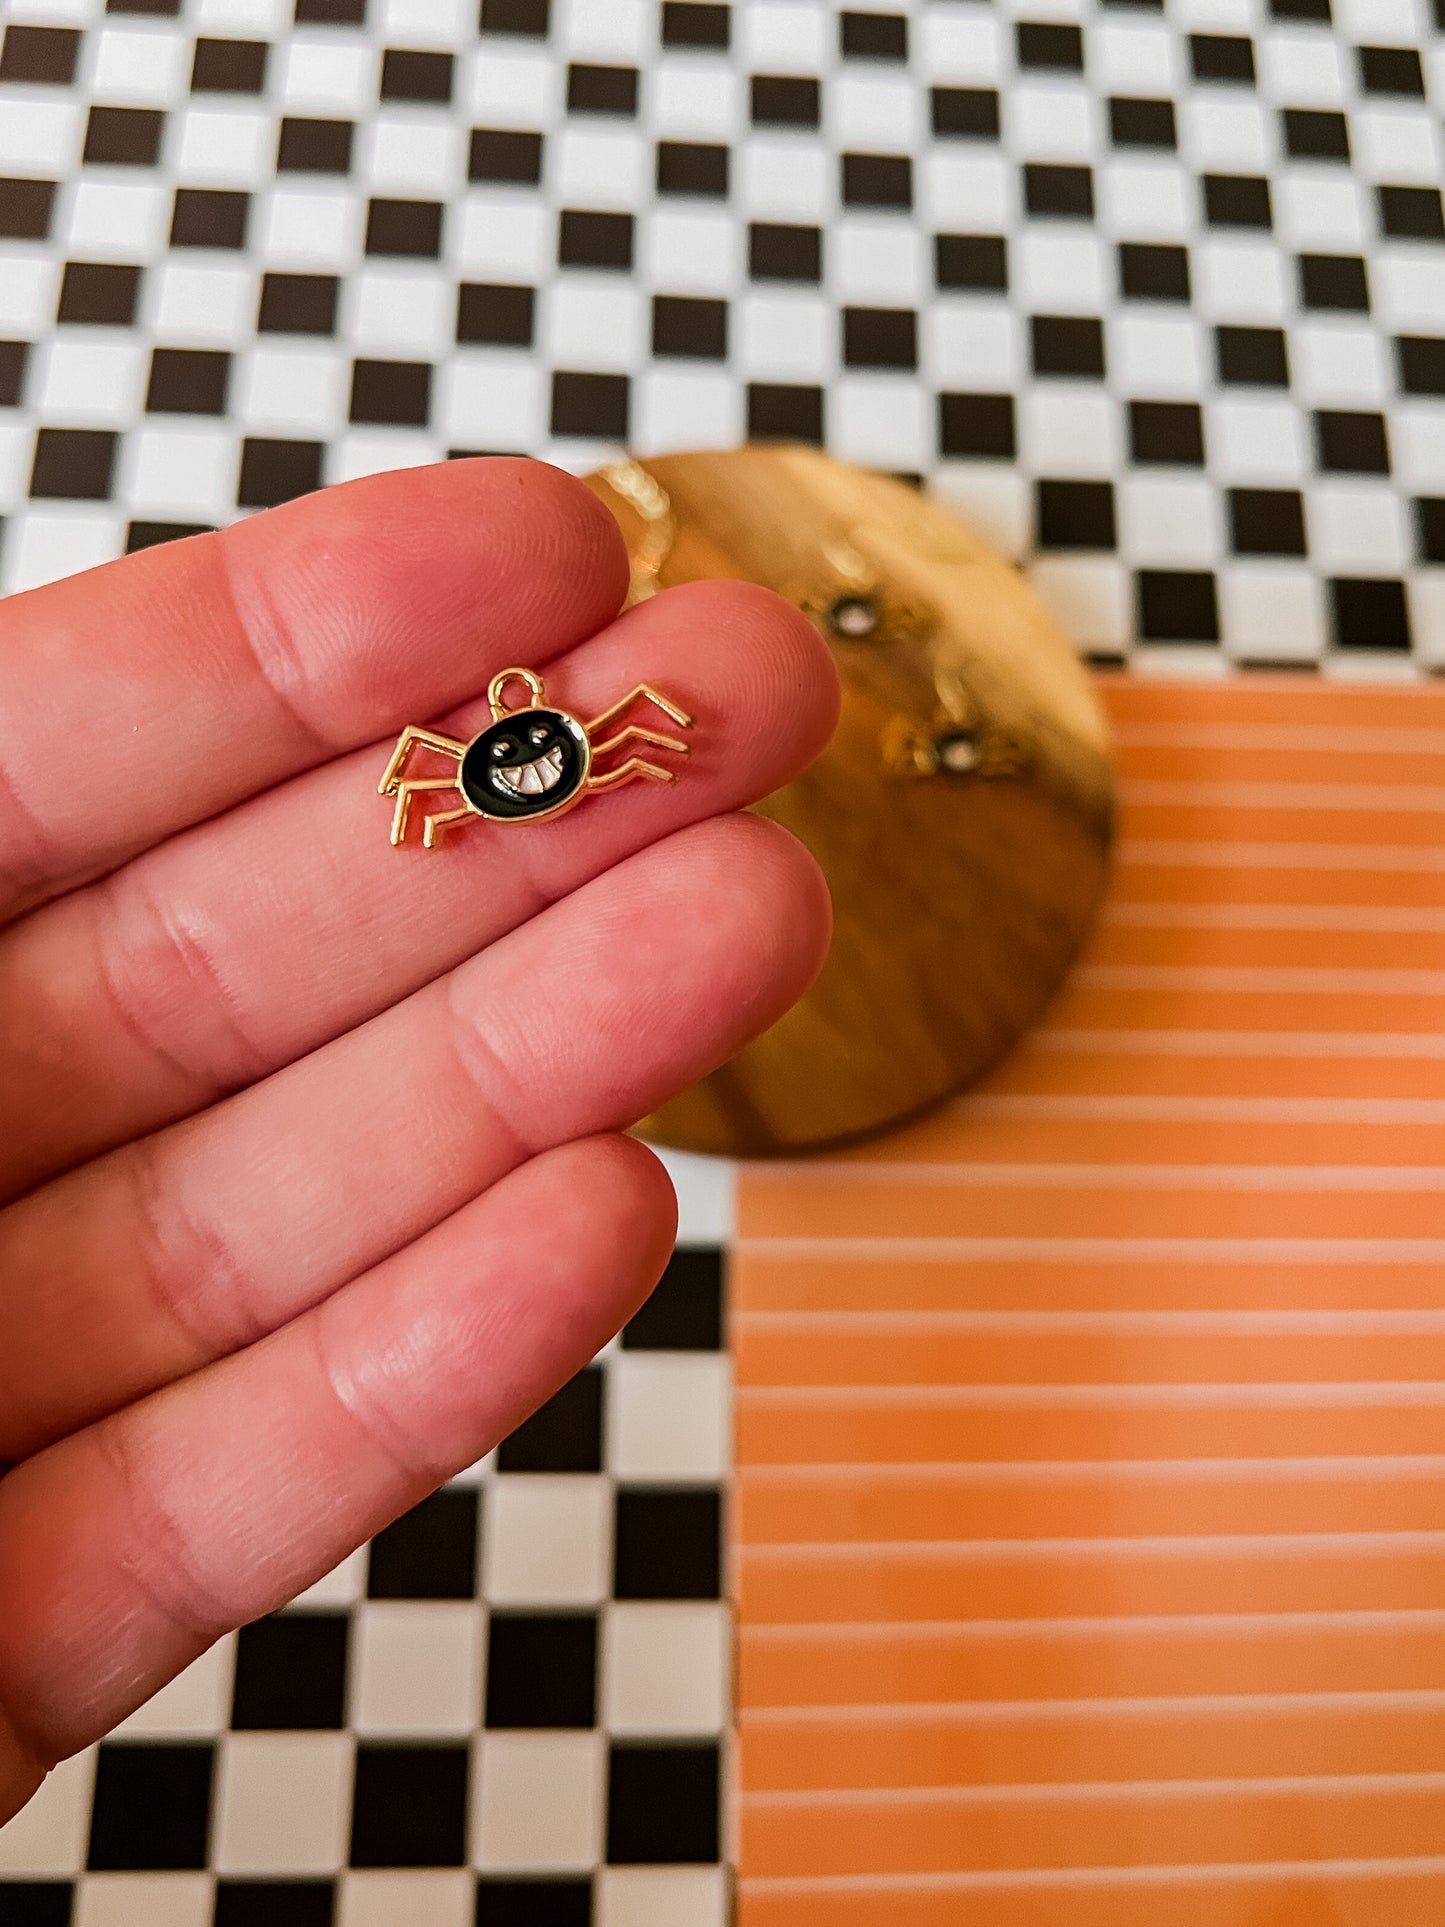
129 1547
238 946
193 1243
162 688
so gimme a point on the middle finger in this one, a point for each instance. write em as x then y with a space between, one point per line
240 945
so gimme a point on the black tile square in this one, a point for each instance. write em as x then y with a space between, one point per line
880 338
504 154
209 217
784 100
291 1673
25 209
1167 431
150 535
274 1903
685 1313
1237 200
430 1552
495 313
601 90
781 253
1063 193
964 113
391 392
1301 10
35 1903
533 1903
689 326
418 74
692 167
410 1806
1053 44
314 146
298 304
274 470
877 180
229 66
529 17
73 464
970 261
13 357
1411 213
1267 521
1430 527
541 1670
1142 123
689 23
1067 345
873 36
152 1808
1227 58
123 136
404 228
1391 70
783 412
188 381
978 426
668 1542
662 1804
1153 271
1252 357
1351 441
1075 515
1421 362
43 55
1369 613
1177 605
1313 134
168 8
330 13
586 239
565 1434
1334 281
98 294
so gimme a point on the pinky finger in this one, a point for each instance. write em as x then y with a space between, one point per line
126 1549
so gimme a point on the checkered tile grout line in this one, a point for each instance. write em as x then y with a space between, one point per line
1158 292
509 1710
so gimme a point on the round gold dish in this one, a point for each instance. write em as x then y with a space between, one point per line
962 812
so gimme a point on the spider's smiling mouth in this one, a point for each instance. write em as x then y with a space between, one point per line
532 779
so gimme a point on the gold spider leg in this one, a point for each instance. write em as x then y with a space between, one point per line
643 690
431 834
410 738
405 790
635 733
629 772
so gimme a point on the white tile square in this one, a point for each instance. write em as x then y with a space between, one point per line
968 192
1168 521
594 168
143 1900
1051 120
594 322
606 30
781 177
114 220
413 156
501 237
1133 57
676 411
785 337
1338 364
698 252
1145 200
697 100
39 136
29 284
538 1801
878 263
1245 281
974 346
873 112
400 311
1320 210
666 1667
490 400
511 87
1417 446
1407 287
994 496
1060 272
663 1897
224 146
669 1415
379 451
426 1897
1091 597
326 78
881 421
92 379
1258 440
1226 132
1069 429
196 1704
1301 69
783 37
548 1539
426 23
206 304
311 230
417 1668
47 1838
139 67
283 1803
45 544
1271 612
1398 144
1357 528
959 45
342 1586
297 391
1157 356
181 472
1427 616
706 1195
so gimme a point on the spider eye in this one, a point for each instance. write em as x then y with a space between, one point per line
853 617
502 748
538 734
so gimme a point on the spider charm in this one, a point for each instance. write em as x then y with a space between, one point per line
529 762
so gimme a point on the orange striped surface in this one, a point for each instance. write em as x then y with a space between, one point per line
1090 1546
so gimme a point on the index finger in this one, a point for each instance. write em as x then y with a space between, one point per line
149 694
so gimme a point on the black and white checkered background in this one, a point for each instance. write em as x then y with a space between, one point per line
1155 292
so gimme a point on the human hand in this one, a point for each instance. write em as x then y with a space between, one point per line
310 1174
